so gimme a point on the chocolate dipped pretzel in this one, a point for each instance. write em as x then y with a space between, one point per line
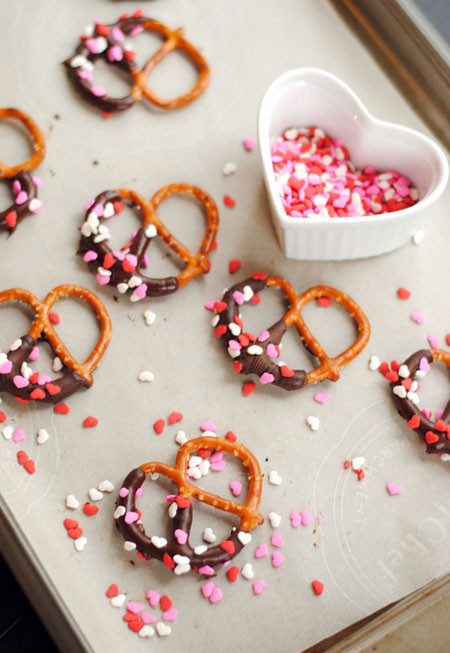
23 185
177 553
404 394
122 269
18 379
108 42
258 354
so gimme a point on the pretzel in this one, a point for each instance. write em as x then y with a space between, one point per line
123 268
435 434
258 354
18 379
23 185
107 42
181 557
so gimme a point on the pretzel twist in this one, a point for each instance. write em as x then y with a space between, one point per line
181 556
123 270
258 354
11 378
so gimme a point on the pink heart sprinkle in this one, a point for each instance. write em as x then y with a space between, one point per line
16 187
138 492
141 291
37 181
115 53
92 45
88 75
124 492
424 365
277 559
145 261
216 456
296 520
206 570
99 209
234 344
321 397
170 497
132 259
34 356
263 336
418 317
90 256
147 617
258 587
131 517
6 367
20 381
21 197
42 380
137 30
239 297
248 143
170 615
216 595
208 426
134 607
272 351
277 540
209 305
433 340
393 488
218 466
98 91
117 34
439 414
266 377
120 256
236 488
306 517
102 279
427 412
207 589
19 435
153 598
261 551
181 536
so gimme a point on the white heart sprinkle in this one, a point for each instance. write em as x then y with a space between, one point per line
7 432
274 519
204 467
254 350
291 134
95 495
159 542
414 386
87 230
119 512
215 320
194 461
418 236
122 288
57 364
182 569
129 546
374 363
103 271
35 205
244 537
403 371
146 631
149 317
209 535
16 344
201 548
134 281
358 462
163 629
275 478
72 502
150 231
234 353
229 168
93 221
81 62
146 375
234 328
80 543
420 374
26 370
181 560
194 472
105 486
247 571
118 601
108 210
400 391
173 508
154 476
445 457
413 397
313 422
42 436
248 293
180 438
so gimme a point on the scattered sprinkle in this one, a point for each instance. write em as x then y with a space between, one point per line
229 168
317 587
229 201
90 422
275 478
393 488
418 317
403 293
418 236
321 397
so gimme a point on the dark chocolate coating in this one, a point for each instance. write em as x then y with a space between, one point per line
407 409
139 245
69 383
213 556
22 210
260 363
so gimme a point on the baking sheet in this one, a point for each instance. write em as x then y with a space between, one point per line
369 548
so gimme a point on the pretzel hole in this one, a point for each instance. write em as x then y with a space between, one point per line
153 505
110 76
332 326
78 327
16 143
123 225
434 389
6 194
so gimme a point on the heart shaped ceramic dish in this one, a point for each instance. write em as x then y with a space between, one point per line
310 96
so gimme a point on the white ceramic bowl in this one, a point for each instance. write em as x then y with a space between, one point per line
310 96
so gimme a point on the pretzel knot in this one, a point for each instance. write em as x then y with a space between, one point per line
177 553
17 378
436 434
23 185
258 354
123 268
108 43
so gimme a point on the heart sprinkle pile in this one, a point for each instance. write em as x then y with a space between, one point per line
315 177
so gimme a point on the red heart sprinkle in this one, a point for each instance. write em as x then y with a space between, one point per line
175 417
52 389
75 533
230 436
38 393
232 574
30 467
11 219
347 464
239 322
70 523
220 330
2 416
440 425
243 340
234 266
228 546
395 366
403 293
183 502
118 206
248 388
112 591
128 266
214 245
220 306
229 201
317 587
62 409
22 401
34 377
431 437
122 16
286 371
256 299
90 510
259 276
54 318
237 366
384 368
108 261
90 421
141 557
158 426
130 616
22 457
323 301
130 55
204 453
406 383
138 13
392 376
165 603
447 339
136 625
414 422
103 30
168 561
